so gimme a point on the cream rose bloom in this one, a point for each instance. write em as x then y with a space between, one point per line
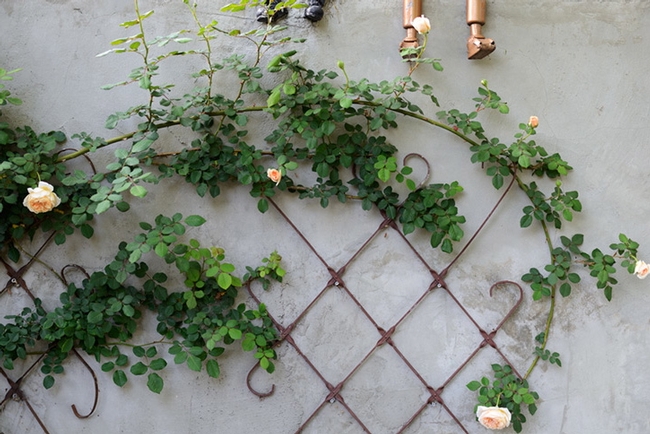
274 175
421 24
641 269
533 121
493 417
42 198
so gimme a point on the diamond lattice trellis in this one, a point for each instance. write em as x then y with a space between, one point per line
386 339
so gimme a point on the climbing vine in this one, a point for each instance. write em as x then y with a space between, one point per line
322 120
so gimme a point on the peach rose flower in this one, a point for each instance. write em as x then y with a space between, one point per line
641 269
533 121
493 417
421 24
42 198
274 175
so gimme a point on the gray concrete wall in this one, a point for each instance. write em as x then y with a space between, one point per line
580 66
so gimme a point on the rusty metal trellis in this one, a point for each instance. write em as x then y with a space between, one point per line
437 283
337 279
15 393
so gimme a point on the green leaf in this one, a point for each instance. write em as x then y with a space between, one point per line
59 238
67 345
577 239
194 363
213 368
139 369
573 277
497 181
224 280
87 231
121 360
103 206
135 256
235 334
565 289
608 293
95 317
447 246
473 385
48 381
138 191
180 357
194 220
289 89
528 398
248 344
274 98
158 364
345 102
128 310
161 249
263 205
119 378
526 221
376 123
155 383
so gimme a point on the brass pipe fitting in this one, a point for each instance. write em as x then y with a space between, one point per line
478 46
411 9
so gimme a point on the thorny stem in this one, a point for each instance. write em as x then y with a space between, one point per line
157 126
551 309
262 108
145 57
414 64
208 53
111 344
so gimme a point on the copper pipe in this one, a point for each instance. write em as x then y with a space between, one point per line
411 9
478 46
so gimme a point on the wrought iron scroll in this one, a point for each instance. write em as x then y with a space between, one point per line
15 392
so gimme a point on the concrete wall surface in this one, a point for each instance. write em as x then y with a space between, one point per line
580 66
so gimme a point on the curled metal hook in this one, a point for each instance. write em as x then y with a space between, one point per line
92 410
511 312
426 162
253 391
76 267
